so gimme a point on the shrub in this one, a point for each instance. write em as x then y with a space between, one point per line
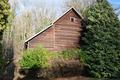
102 41
35 58
42 58
70 54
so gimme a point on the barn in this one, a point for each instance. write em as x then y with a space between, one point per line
65 33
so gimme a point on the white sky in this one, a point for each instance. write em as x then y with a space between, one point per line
27 4
56 4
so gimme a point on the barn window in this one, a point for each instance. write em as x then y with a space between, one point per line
72 19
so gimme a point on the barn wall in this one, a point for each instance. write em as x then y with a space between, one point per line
45 39
67 32
64 34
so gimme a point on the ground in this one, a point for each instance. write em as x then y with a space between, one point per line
73 78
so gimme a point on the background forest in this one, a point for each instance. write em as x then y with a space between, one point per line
17 25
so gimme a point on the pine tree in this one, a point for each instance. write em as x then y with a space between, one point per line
102 40
4 14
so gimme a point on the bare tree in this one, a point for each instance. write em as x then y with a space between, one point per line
27 24
22 27
43 17
79 5
19 30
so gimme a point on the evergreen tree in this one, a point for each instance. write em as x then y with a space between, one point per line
4 14
102 41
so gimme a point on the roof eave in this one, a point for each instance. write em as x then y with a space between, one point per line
37 34
67 12
53 23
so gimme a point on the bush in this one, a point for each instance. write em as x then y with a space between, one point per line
102 41
42 58
39 62
70 54
36 58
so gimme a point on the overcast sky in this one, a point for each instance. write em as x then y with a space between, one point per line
27 4
57 4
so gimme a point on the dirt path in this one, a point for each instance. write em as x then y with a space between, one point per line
73 78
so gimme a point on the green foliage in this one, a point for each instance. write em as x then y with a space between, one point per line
42 58
37 57
4 13
102 41
70 54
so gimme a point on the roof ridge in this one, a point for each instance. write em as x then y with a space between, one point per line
67 12
53 23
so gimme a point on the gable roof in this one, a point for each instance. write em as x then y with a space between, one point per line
75 11
38 33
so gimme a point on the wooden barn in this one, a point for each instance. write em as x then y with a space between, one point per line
64 33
